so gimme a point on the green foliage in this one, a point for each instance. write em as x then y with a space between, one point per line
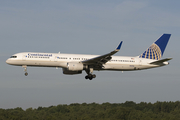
93 111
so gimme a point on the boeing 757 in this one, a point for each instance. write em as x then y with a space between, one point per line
75 63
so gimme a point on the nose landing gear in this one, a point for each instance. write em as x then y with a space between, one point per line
26 74
25 70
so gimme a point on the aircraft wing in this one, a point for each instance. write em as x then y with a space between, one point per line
161 61
100 60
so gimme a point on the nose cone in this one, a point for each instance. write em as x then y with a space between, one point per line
8 61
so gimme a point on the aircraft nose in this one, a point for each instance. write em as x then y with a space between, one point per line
8 61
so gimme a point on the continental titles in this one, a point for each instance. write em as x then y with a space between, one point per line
40 54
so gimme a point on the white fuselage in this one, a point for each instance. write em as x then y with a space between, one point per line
76 63
119 63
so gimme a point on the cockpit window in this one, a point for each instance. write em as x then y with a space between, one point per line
13 57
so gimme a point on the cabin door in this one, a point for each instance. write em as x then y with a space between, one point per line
24 57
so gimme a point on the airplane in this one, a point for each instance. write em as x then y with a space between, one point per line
75 63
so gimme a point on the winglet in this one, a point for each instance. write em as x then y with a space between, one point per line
119 46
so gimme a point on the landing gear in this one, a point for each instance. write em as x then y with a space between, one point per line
90 76
25 70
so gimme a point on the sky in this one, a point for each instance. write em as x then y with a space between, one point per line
87 27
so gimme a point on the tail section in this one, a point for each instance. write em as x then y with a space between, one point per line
156 50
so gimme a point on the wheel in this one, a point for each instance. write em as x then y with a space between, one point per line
26 74
90 76
86 77
94 76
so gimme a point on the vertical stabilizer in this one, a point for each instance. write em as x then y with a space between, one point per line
156 50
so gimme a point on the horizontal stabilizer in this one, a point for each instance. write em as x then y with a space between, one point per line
161 61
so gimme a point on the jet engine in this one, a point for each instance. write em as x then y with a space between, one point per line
74 66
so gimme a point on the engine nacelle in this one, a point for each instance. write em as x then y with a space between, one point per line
67 72
73 66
